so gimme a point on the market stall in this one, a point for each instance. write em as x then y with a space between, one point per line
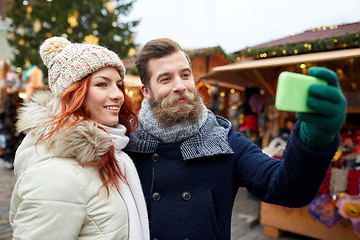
338 197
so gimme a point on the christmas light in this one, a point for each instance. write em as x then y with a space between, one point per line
91 39
72 19
110 6
29 9
131 52
37 26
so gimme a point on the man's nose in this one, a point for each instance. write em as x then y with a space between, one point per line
179 85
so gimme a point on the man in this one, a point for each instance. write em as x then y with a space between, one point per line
191 163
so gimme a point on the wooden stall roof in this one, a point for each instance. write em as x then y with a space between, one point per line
258 73
313 34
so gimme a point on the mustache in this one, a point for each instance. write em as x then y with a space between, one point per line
172 100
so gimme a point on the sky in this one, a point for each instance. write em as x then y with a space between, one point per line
235 24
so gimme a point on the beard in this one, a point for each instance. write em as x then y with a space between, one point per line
168 113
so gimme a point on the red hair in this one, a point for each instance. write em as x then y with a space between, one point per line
72 106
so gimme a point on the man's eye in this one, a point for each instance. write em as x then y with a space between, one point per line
165 79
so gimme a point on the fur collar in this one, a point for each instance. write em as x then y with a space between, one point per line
85 142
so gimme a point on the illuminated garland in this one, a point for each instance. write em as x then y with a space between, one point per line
348 40
211 51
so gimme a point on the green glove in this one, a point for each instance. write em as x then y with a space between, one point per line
318 129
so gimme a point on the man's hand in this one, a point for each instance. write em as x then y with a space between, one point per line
318 129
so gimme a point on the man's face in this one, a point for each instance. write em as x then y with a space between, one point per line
170 75
173 97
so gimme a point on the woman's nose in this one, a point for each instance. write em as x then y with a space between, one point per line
116 93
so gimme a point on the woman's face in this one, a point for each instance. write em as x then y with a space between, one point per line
105 97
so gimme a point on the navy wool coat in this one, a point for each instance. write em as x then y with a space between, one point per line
191 197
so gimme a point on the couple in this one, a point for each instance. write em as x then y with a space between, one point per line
88 168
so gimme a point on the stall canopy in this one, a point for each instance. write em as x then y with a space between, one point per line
263 73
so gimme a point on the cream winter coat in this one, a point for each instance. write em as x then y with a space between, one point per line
54 196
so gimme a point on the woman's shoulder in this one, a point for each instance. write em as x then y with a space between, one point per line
53 179
42 108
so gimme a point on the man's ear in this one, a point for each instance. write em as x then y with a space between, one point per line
145 91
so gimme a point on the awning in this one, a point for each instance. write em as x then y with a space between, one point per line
261 73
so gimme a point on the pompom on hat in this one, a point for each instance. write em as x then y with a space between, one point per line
69 63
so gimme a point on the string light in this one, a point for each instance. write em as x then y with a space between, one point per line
131 52
37 25
91 39
72 19
110 7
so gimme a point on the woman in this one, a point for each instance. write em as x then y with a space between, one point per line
73 179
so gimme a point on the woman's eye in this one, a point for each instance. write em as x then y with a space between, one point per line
101 84
120 86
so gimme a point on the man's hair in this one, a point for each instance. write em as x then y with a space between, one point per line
156 48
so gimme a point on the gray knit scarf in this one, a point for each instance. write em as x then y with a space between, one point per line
175 133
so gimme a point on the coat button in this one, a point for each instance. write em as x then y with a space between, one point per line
156 196
155 157
186 196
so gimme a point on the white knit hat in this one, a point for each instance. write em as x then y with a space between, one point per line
69 63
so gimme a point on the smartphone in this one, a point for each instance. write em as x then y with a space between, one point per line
293 91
